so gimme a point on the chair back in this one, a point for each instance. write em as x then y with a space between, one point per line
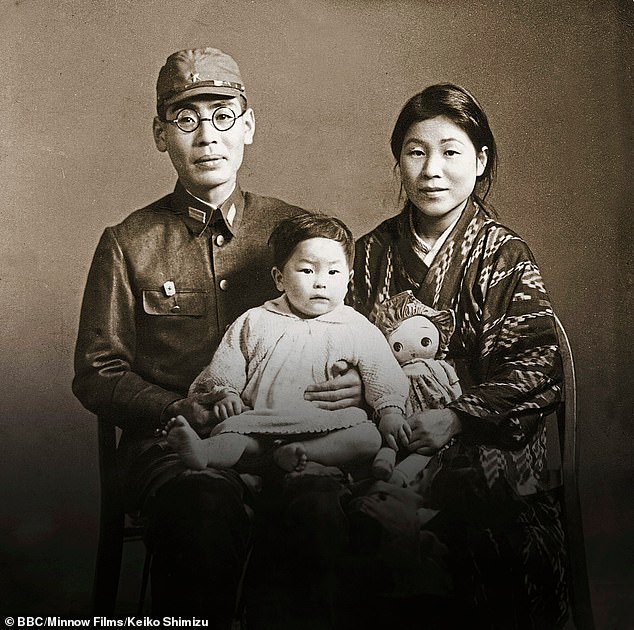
569 451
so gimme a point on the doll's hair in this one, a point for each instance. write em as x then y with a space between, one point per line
395 310
290 232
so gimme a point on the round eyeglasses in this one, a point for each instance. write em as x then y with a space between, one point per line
222 118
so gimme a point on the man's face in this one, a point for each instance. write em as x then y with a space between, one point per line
207 160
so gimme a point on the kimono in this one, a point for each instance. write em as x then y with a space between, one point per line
501 523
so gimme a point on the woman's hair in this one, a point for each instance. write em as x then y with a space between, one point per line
461 107
290 232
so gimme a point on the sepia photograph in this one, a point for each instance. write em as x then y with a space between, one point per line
303 302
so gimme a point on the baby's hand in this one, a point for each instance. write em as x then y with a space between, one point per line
394 429
230 405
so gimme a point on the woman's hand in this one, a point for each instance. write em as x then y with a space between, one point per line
340 392
432 429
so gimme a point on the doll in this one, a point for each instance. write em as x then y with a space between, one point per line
419 338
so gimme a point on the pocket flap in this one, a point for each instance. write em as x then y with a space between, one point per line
190 303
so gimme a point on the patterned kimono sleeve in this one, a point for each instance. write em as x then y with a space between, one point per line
227 372
517 367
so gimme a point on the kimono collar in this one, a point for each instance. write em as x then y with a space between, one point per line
410 248
420 247
441 284
198 215
340 315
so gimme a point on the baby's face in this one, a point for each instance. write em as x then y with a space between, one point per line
315 278
415 338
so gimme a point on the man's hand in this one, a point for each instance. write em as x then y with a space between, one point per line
394 429
197 409
432 429
230 405
342 391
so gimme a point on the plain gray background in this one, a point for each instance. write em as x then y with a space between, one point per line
326 80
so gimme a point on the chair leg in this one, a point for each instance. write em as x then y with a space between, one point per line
240 604
147 564
581 603
107 569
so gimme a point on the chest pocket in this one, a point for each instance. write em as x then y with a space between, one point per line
182 303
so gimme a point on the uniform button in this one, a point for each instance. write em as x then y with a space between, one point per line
175 309
224 284
220 240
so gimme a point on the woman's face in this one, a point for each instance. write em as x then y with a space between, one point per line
439 166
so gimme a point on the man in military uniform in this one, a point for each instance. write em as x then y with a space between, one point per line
163 286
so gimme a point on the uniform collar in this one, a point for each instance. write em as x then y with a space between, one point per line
198 215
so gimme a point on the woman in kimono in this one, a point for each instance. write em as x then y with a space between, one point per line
498 520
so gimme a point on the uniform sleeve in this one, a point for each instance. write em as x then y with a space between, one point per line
105 382
517 366
384 382
227 371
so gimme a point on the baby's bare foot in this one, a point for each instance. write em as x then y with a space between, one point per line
186 442
291 457
178 421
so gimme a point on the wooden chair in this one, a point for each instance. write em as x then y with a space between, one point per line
115 529
573 526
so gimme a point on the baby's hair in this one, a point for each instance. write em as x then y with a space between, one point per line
290 232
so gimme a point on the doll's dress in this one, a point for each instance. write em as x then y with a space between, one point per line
433 384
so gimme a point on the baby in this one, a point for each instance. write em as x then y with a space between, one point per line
271 353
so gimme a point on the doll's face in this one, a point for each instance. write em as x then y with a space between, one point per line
415 338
